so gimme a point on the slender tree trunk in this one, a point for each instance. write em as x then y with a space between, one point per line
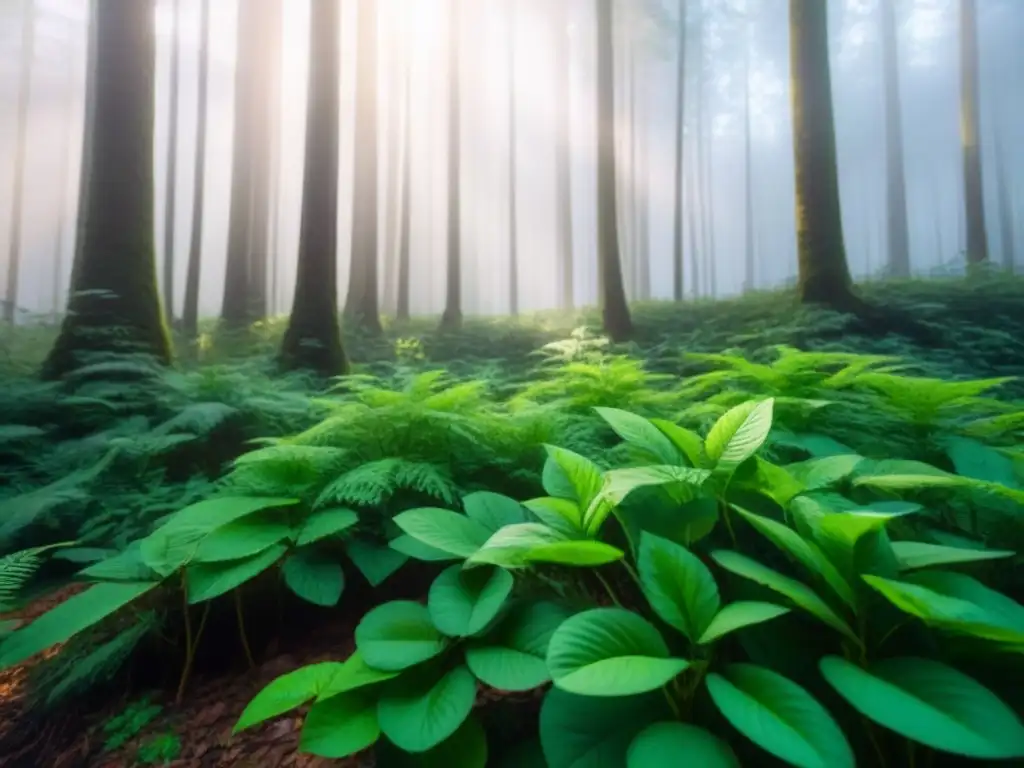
190 313
391 225
897 237
614 310
749 262
402 309
563 146
677 211
974 192
823 275
63 216
694 226
170 181
1006 226
451 320
313 338
708 193
628 148
113 282
28 36
643 235
513 217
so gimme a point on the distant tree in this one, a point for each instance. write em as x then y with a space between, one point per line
171 165
677 208
114 304
190 312
513 217
615 311
897 237
974 192
1006 223
451 319
313 338
563 146
749 261
402 301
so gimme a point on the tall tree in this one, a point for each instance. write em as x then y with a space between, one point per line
362 306
63 176
402 302
391 225
974 193
1006 223
679 132
170 180
643 215
28 36
113 280
313 338
190 312
822 272
563 145
749 262
513 217
897 237
614 310
451 319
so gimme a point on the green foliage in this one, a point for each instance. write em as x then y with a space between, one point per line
122 728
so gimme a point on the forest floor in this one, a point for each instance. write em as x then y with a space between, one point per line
982 325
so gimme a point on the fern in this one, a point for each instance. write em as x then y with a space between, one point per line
373 484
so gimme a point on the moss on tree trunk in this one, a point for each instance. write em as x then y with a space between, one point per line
114 305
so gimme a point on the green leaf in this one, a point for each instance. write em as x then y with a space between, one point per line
610 652
376 563
463 603
929 702
780 717
686 441
738 434
325 522
287 692
314 577
667 744
516 546
562 515
804 552
802 595
240 539
398 635
594 732
74 615
340 726
513 657
856 541
209 580
414 548
126 566
173 544
918 554
816 474
738 615
974 459
492 510
425 713
466 748
352 675
568 475
679 587
641 433
443 529
619 483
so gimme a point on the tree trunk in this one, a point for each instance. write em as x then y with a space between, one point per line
391 224
563 147
974 193
614 310
363 307
170 185
822 275
897 238
313 338
451 320
63 217
749 262
28 37
402 308
677 212
643 229
113 282
1006 234
513 218
695 244
190 312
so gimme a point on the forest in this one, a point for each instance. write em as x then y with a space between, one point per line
511 383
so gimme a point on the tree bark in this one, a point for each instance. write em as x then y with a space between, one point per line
451 320
513 217
897 238
749 261
974 191
678 280
190 312
171 167
402 308
1006 224
563 146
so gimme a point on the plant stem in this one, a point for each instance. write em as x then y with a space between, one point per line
607 588
241 629
190 643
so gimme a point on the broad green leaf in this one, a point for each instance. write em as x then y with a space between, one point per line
673 744
685 440
805 552
780 717
340 726
619 483
819 446
568 475
375 562
738 615
287 692
492 510
856 542
398 635
641 433
513 657
325 522
802 595
679 587
314 576
174 543
516 546
929 702
409 547
126 566
595 732
684 524
209 580
563 515
974 459
902 475
74 615
919 554
466 748
767 479
738 434
354 673
421 715
443 529
463 603
816 474
610 652
240 539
